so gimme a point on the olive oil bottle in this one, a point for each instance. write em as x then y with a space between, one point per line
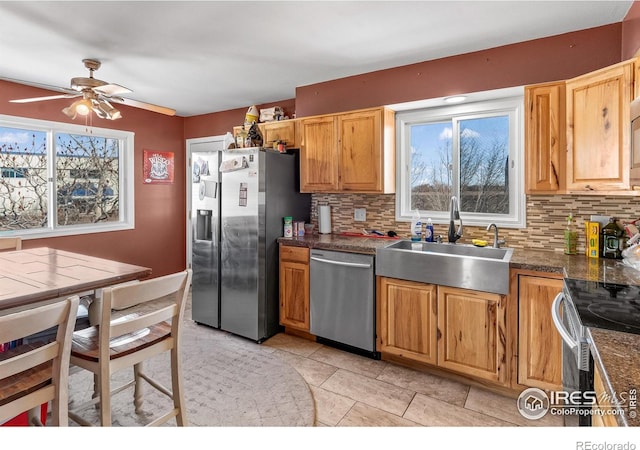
570 237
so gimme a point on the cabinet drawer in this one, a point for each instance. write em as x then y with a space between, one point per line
295 254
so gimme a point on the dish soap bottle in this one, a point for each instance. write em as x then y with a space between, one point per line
428 231
570 237
416 226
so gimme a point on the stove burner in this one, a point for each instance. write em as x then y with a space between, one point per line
606 305
607 312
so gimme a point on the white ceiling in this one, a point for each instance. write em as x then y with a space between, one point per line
206 56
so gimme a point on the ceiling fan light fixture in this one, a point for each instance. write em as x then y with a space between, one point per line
105 110
79 107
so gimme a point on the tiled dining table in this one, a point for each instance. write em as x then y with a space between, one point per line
34 275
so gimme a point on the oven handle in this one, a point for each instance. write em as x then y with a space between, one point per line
557 321
341 263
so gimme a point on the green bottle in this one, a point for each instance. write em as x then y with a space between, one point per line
612 241
570 237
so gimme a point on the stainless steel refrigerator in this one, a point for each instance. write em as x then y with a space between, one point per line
204 217
258 188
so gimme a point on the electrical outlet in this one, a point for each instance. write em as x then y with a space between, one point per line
360 214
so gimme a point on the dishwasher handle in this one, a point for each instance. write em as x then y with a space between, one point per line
557 321
341 263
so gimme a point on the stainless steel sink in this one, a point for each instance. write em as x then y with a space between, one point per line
458 265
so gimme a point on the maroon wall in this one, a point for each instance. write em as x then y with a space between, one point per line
158 240
548 59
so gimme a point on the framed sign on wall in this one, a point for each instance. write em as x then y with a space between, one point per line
158 167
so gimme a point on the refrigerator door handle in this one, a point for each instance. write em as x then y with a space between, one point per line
340 263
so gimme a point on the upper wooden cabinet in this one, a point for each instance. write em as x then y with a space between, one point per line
319 154
545 137
348 152
282 130
598 129
577 133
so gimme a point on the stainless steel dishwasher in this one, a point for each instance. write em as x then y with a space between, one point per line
343 299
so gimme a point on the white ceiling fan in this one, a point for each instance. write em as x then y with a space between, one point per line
97 96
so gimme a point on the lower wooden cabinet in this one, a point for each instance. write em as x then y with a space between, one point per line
294 287
408 319
456 329
473 333
539 343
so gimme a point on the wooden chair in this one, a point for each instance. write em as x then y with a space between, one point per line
141 332
10 243
33 374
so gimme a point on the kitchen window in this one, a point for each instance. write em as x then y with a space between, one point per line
62 179
471 150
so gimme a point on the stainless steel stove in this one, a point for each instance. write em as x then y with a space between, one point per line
606 305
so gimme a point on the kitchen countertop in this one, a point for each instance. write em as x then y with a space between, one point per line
617 354
570 266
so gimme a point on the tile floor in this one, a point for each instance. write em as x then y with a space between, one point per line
352 390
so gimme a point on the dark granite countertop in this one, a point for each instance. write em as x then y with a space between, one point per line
571 266
617 354
354 244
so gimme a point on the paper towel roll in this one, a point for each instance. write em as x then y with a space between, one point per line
324 219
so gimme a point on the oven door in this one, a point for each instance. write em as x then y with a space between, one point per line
577 364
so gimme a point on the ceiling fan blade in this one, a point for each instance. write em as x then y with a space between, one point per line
112 89
143 105
41 86
50 97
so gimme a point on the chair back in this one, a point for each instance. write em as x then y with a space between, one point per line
142 305
10 243
33 374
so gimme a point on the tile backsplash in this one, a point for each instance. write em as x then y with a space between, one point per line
546 217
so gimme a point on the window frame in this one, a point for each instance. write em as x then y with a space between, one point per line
126 178
510 103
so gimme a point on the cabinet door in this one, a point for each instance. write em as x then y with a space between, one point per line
539 345
294 287
407 319
319 155
360 151
545 137
472 333
284 130
598 146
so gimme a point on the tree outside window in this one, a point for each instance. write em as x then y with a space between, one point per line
84 171
468 151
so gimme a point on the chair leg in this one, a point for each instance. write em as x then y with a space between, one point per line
33 417
137 390
96 390
104 380
176 384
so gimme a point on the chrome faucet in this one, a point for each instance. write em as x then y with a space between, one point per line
454 214
496 242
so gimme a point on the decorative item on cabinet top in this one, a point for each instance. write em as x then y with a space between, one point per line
284 131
